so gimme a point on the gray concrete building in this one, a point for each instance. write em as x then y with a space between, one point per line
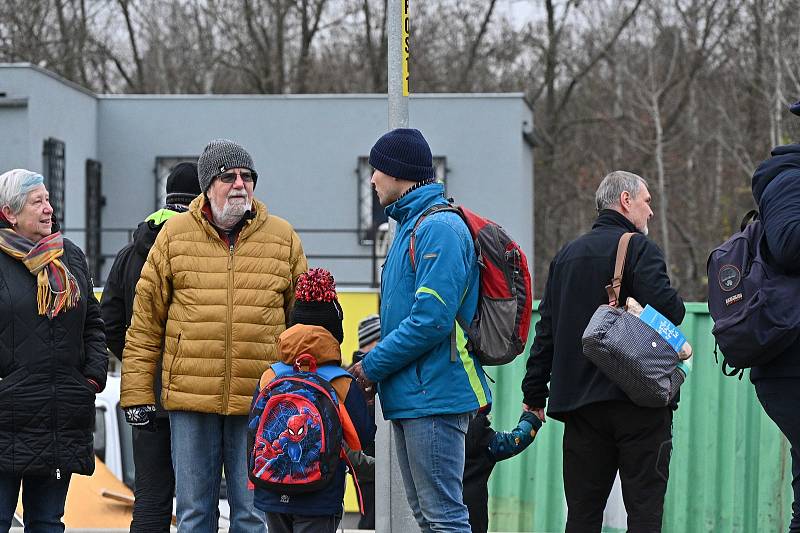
105 158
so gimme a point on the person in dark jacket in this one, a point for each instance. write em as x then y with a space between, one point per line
485 447
369 333
603 430
52 357
776 190
316 330
154 486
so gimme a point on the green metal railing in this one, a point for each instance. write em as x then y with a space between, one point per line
730 469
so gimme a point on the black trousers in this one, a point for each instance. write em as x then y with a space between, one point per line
602 438
293 523
367 520
780 398
155 479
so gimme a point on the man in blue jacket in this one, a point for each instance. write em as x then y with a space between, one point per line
776 190
430 385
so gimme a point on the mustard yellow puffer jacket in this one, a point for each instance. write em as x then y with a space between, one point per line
214 313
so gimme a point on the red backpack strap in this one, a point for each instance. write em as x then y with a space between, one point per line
349 434
431 210
355 480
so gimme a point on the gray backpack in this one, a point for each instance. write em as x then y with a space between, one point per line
630 352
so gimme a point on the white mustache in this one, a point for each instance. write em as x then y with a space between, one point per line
237 195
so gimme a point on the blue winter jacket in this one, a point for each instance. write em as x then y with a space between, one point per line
776 190
412 363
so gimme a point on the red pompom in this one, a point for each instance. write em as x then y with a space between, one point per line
316 285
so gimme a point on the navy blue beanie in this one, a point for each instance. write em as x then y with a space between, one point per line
795 108
403 153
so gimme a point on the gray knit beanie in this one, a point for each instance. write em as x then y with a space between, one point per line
369 330
219 156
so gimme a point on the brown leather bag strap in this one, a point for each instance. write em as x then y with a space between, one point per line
613 288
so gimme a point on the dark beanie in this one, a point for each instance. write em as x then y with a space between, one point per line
316 303
221 155
795 108
403 153
182 184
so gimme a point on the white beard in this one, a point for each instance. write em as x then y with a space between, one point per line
230 213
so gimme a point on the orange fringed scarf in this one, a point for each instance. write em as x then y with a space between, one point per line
57 288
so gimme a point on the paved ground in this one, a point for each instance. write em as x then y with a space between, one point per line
19 530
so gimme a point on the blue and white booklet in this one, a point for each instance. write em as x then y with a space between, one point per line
668 331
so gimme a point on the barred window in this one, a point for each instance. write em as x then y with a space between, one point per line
54 179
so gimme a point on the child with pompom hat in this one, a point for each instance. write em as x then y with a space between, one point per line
316 329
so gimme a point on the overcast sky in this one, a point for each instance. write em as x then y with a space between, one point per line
520 11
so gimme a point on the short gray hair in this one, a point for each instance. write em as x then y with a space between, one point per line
15 186
613 185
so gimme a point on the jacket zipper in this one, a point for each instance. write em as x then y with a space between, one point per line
228 335
54 409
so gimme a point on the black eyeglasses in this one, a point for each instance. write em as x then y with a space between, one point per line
230 177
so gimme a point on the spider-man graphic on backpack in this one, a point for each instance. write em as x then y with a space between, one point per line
296 429
296 449
304 411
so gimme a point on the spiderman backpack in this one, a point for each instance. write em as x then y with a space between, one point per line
296 428
499 331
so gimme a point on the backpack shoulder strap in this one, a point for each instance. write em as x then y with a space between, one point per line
338 377
613 288
431 210
281 369
749 217
331 372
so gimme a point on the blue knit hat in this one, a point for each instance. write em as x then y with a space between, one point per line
403 153
795 108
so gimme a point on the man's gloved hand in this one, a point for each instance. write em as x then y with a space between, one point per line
142 417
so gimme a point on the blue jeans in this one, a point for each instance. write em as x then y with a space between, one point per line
43 499
201 444
434 470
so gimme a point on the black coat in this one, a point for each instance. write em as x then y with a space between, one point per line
776 190
478 466
120 289
575 288
46 401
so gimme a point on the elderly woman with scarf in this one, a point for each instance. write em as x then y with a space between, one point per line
52 357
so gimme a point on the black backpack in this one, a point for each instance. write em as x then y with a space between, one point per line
753 304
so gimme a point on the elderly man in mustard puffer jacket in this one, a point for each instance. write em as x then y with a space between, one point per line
213 297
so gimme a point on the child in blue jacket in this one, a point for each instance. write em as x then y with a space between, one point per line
484 448
316 330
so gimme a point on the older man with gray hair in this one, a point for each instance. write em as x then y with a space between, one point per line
212 299
604 432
